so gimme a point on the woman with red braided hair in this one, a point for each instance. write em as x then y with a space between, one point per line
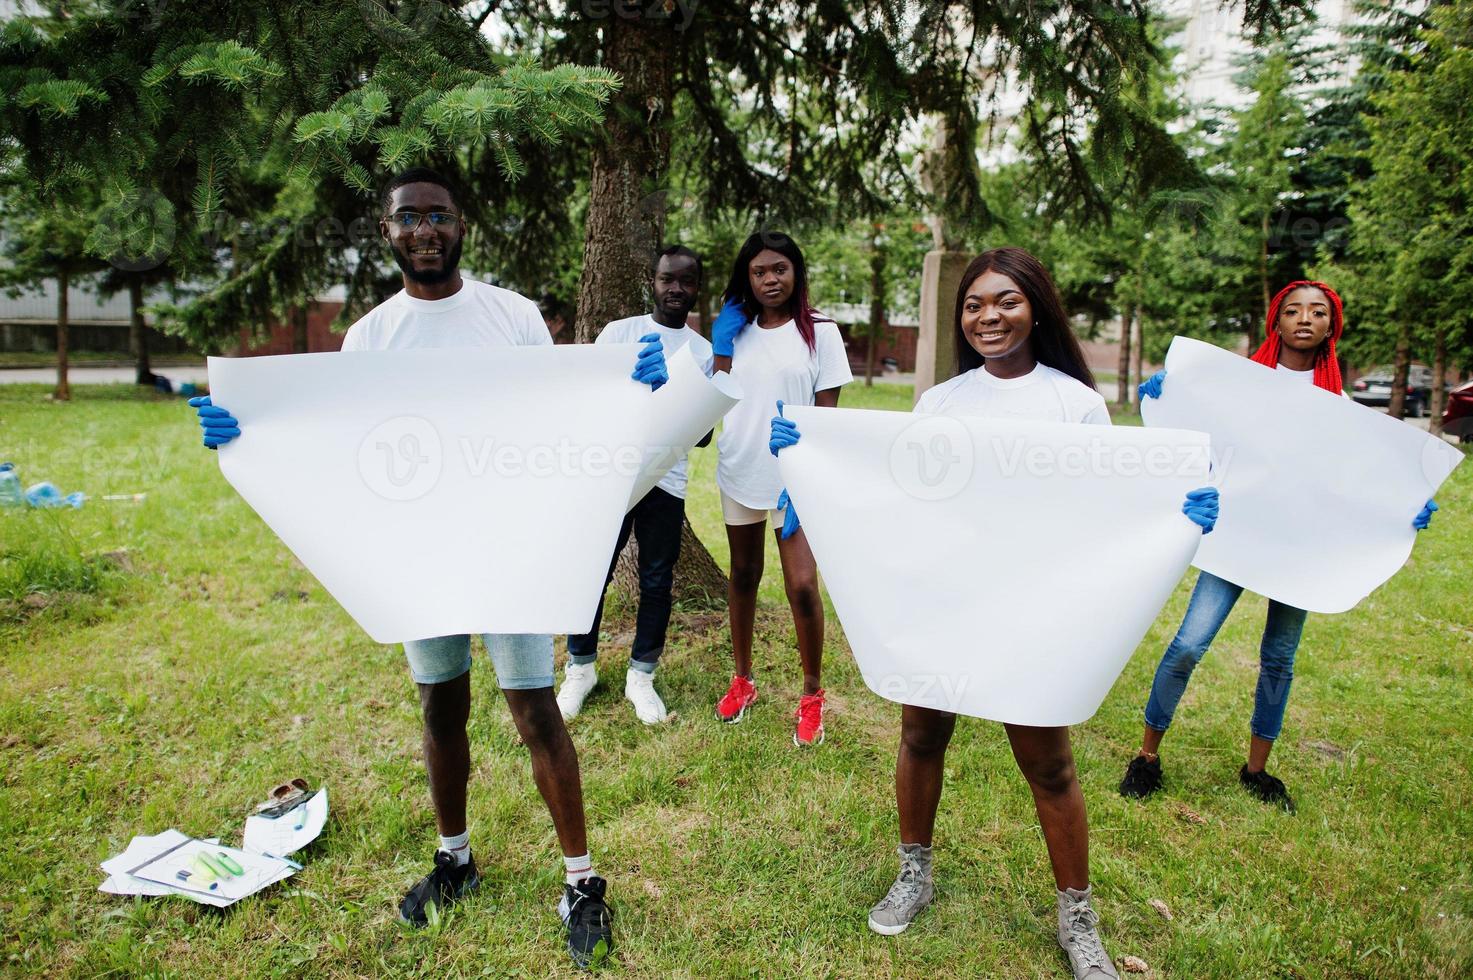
1305 320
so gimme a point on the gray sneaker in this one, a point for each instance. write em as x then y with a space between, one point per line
1080 940
911 892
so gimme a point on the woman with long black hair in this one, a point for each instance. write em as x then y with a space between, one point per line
779 349
1017 358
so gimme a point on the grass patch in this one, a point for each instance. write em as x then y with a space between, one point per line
223 667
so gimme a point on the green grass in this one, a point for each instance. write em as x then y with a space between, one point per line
177 693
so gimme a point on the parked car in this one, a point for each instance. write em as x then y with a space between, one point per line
1374 388
1457 418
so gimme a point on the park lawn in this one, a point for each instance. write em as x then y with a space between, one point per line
175 693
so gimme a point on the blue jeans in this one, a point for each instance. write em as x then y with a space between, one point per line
1212 600
656 522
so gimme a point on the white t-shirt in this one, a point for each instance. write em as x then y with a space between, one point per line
1042 395
1305 376
628 331
477 315
772 364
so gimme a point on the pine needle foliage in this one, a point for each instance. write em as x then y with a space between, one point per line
255 119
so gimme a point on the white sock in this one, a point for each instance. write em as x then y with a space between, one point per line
577 868
458 847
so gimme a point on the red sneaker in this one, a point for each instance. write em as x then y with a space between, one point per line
810 720
737 699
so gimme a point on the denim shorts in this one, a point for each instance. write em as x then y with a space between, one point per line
523 661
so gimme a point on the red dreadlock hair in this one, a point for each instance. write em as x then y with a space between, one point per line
1326 366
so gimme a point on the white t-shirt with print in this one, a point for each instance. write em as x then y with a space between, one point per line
477 315
1042 395
772 364
628 331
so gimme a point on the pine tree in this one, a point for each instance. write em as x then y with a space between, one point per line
254 120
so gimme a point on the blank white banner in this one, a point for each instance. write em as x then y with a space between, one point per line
1000 569
438 492
1318 493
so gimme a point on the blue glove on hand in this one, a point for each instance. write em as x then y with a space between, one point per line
1151 387
649 367
784 432
728 323
1201 508
218 424
790 518
1424 516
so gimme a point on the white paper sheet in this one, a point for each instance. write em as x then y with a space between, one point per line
684 409
289 832
140 850
257 871
438 492
1005 570
1318 493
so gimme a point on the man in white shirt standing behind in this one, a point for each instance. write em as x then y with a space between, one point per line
424 228
656 521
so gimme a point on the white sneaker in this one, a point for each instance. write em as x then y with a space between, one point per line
639 688
578 680
1080 938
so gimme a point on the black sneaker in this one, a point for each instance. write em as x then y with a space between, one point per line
1142 778
589 922
1269 789
440 888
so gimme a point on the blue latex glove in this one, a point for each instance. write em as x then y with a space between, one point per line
1151 387
1201 508
1424 516
784 432
728 323
218 424
649 367
790 518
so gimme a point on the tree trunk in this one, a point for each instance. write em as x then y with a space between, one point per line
1262 282
1401 368
876 308
1140 346
626 197
699 581
301 342
1122 386
626 221
63 386
137 339
1438 401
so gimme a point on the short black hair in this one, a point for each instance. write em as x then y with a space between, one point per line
417 175
678 250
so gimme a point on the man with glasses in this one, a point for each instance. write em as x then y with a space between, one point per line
438 308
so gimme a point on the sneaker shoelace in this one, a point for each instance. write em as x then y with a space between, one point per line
739 691
810 709
907 886
587 906
1083 936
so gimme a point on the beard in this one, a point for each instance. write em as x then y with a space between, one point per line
429 277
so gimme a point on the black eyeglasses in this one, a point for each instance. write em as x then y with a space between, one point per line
411 219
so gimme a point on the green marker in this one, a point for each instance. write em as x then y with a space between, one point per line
229 864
